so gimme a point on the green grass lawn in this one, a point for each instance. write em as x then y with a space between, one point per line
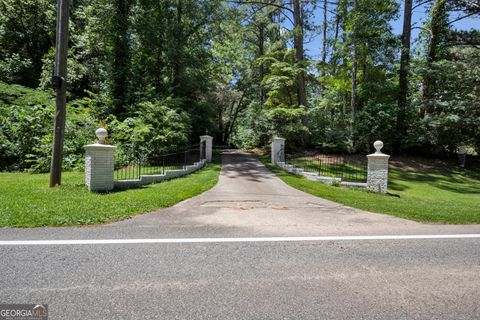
27 201
435 196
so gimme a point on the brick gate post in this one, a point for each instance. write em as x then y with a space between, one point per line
99 163
278 150
377 175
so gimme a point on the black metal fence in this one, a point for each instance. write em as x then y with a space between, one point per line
352 168
131 166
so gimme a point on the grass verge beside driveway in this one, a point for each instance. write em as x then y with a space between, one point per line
27 201
437 196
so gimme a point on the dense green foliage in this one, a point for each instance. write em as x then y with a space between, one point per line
26 133
72 204
26 129
450 196
159 73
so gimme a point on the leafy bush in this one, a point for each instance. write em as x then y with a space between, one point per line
30 130
26 129
156 128
451 119
252 128
331 132
24 118
375 122
337 132
286 122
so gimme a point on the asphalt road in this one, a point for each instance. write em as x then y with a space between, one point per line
350 279
408 279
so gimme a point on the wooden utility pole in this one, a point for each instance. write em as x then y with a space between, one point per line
59 83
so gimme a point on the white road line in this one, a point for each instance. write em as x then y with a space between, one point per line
227 240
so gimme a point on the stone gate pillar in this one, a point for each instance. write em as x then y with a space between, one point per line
99 163
208 146
278 150
377 175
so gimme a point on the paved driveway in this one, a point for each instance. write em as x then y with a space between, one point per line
335 279
248 201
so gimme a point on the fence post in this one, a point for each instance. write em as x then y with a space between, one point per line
99 163
377 175
278 150
208 146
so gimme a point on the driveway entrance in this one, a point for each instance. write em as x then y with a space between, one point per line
249 200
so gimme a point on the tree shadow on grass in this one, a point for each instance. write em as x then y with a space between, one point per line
467 189
392 185
452 180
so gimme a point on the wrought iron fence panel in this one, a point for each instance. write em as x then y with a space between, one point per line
127 167
352 168
132 166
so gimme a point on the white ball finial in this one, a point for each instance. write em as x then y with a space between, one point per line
378 145
101 134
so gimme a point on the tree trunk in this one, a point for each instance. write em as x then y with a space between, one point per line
261 53
299 55
438 14
233 119
335 41
404 67
324 29
405 55
177 60
121 57
353 100
220 122
324 44
299 51
344 50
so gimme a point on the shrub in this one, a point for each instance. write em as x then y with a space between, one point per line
26 129
156 128
375 121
